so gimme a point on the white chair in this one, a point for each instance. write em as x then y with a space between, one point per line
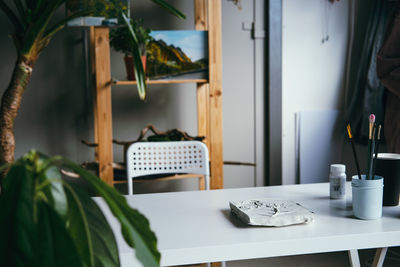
184 159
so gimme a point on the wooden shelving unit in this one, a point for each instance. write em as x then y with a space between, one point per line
161 82
209 93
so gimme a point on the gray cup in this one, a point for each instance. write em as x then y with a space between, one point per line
388 166
367 197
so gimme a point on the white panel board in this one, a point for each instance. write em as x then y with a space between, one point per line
320 142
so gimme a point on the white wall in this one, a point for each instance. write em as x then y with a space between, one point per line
312 71
238 94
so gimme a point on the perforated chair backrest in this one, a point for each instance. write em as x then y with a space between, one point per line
149 158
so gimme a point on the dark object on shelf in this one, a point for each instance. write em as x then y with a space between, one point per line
130 67
169 135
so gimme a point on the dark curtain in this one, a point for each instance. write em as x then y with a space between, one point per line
388 70
365 91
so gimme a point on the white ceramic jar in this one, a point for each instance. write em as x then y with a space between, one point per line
337 181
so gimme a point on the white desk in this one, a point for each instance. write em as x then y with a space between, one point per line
196 226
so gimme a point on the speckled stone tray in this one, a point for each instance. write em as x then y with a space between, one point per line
270 212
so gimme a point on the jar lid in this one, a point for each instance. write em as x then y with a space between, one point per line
338 168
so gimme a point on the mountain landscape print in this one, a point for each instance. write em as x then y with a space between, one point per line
177 55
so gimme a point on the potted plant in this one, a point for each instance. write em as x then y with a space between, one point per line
122 41
47 220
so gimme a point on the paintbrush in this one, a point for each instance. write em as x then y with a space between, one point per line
378 139
354 150
372 153
371 119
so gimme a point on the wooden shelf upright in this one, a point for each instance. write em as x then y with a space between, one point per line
209 93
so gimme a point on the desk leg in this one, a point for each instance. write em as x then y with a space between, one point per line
354 259
379 257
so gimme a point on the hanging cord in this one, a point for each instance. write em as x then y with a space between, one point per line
325 19
349 49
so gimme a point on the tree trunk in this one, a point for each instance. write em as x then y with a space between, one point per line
10 103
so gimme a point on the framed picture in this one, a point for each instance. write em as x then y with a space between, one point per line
177 55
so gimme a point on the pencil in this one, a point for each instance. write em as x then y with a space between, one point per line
371 153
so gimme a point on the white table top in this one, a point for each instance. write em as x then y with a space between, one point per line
196 226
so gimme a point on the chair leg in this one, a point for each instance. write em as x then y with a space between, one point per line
130 186
202 183
354 259
379 257
207 182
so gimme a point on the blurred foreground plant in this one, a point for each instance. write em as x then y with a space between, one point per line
50 221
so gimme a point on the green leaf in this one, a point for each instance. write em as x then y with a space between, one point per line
137 61
78 227
54 191
134 226
48 235
11 16
103 240
35 31
169 8
17 217
20 8
55 246
31 4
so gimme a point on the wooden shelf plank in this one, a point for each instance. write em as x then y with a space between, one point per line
215 75
161 81
102 103
203 90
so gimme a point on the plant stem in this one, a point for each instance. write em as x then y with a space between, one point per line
10 103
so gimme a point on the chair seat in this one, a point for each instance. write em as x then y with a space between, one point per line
169 176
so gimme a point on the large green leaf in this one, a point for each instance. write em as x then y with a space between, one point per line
169 8
137 60
86 223
134 226
54 190
39 232
54 243
66 204
78 227
17 217
103 241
